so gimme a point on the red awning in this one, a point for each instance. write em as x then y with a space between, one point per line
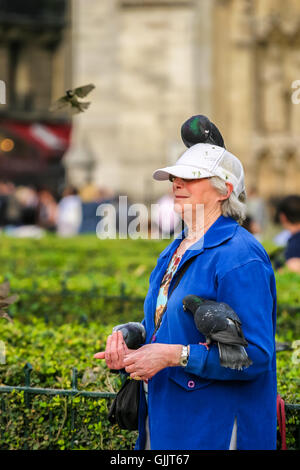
50 139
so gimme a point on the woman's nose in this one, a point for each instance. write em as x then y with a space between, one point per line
178 181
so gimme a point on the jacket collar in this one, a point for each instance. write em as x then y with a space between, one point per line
222 230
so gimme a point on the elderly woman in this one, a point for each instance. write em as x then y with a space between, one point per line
188 400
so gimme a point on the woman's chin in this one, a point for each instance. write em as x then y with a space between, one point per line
178 207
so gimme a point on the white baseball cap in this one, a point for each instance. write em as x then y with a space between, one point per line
204 161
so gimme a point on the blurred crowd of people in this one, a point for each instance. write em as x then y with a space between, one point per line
29 211
287 217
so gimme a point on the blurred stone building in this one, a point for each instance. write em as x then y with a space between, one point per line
35 67
155 63
151 64
256 60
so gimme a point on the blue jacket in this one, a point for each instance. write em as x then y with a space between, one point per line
195 407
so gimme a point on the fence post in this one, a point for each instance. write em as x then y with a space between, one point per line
73 411
27 372
74 379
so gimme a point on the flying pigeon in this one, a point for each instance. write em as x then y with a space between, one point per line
70 99
219 323
134 334
199 129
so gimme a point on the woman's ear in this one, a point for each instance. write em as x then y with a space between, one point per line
229 191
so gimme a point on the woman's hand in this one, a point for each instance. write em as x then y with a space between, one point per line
115 351
146 361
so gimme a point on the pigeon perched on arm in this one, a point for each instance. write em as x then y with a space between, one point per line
219 323
134 334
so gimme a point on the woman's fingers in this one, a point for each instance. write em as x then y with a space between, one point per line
135 365
115 350
130 368
108 351
149 359
100 355
132 356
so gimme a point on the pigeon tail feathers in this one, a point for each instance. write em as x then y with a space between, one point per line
233 356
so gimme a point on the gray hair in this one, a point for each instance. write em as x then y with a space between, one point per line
234 206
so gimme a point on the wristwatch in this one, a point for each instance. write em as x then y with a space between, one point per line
184 357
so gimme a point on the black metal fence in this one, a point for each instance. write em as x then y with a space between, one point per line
122 299
74 392
68 418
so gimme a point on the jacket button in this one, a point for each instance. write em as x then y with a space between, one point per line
191 384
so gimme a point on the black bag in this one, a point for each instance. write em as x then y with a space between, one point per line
125 407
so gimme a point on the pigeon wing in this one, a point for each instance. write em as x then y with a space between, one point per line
227 312
232 334
82 91
60 103
83 105
207 319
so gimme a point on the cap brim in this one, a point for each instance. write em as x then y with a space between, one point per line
181 171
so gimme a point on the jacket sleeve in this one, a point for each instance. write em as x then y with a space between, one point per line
250 290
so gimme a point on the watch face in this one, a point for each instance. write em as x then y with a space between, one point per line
184 356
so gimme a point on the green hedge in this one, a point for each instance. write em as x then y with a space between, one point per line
63 280
53 352
60 322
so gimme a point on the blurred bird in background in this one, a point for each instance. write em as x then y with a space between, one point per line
6 300
71 102
219 323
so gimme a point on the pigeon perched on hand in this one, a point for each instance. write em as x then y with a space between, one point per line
199 129
219 323
70 99
134 334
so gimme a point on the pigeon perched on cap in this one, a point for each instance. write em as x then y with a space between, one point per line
199 129
134 334
219 323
